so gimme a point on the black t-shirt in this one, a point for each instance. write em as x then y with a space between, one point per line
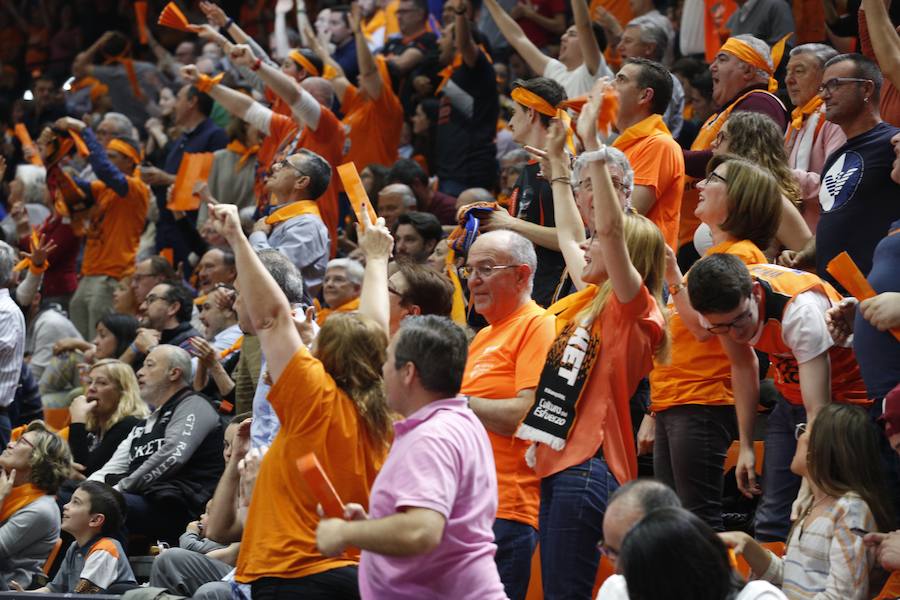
532 200
426 43
858 199
877 352
467 126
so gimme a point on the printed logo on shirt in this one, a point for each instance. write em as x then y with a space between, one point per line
841 181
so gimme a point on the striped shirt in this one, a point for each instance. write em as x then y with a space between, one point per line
825 559
12 347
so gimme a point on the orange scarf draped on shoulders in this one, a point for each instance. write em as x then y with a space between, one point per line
18 498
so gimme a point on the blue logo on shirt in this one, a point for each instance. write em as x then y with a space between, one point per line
840 181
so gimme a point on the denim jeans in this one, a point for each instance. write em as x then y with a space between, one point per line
573 503
689 455
779 485
515 547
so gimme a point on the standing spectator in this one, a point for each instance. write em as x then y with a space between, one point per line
580 57
500 381
12 340
769 20
855 176
433 503
467 116
344 46
416 235
540 21
47 106
192 110
810 137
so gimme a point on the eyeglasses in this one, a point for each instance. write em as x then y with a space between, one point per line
713 177
607 551
281 164
799 430
725 327
24 440
151 298
483 271
834 83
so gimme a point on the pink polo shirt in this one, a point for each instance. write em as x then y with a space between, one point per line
441 459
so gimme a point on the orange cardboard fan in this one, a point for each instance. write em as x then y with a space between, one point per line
140 15
195 166
321 486
355 191
172 17
845 271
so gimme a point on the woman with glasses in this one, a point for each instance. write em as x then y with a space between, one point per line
825 555
31 470
613 328
755 137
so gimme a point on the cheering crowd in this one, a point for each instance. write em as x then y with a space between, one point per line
560 299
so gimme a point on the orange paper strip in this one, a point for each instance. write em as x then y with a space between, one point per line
140 15
321 486
355 191
172 17
80 146
26 141
194 167
845 271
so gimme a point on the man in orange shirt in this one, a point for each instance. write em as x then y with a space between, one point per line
645 89
500 380
114 223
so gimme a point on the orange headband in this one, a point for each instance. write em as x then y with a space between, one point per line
304 62
124 148
744 52
533 101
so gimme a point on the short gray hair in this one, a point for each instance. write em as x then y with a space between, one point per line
615 158
285 274
406 193
8 259
517 154
122 124
761 48
646 494
178 359
34 183
519 248
651 33
821 52
353 269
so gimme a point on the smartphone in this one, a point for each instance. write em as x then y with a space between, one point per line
858 531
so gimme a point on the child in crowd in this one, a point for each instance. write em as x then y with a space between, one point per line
95 562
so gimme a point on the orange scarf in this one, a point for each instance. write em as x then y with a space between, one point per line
234 348
238 147
458 307
447 72
294 209
128 63
374 24
800 114
351 306
18 498
652 125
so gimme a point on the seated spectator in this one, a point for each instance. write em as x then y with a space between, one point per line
511 165
394 200
219 319
341 287
416 235
433 503
216 266
218 353
825 556
671 553
427 199
148 274
96 562
33 467
105 415
165 468
61 381
166 319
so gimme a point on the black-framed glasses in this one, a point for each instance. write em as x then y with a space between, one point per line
283 163
151 298
483 271
799 430
740 321
834 83
713 177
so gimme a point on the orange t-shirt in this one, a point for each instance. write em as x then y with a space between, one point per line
316 416
699 372
620 9
658 163
374 125
115 228
629 334
504 359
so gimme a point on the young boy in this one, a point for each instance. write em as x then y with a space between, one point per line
94 562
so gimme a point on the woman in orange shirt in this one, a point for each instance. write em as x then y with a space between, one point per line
613 328
330 401
691 397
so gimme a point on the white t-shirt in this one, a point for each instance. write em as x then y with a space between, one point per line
614 588
576 82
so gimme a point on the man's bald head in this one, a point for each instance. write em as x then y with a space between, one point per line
320 89
629 504
394 200
473 195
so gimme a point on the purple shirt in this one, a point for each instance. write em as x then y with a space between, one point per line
441 459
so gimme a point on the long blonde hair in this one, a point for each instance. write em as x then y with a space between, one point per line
352 349
647 251
130 403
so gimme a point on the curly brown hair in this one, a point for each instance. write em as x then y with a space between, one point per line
51 460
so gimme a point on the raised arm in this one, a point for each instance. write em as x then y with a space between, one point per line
463 30
885 41
376 243
590 50
369 78
223 525
231 100
609 220
103 168
267 305
513 33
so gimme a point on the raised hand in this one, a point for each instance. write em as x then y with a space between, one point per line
587 120
306 326
375 239
225 220
39 253
214 14
242 55
190 73
67 123
80 408
203 351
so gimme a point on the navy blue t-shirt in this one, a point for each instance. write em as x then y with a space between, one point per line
858 200
878 352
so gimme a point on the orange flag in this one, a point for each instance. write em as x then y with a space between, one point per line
194 167
355 191
172 17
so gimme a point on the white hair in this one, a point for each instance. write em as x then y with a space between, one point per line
761 48
178 359
122 124
821 52
352 268
518 247
34 182
615 158
8 259
406 193
651 33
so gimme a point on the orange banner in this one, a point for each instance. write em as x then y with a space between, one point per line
194 167
355 191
